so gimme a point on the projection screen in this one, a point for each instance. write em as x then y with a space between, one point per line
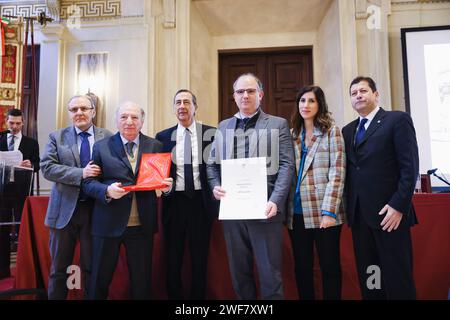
426 73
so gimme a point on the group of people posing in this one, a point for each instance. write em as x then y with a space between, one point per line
319 178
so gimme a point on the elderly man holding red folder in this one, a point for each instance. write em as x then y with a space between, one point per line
119 216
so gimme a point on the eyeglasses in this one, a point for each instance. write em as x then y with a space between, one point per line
240 92
83 109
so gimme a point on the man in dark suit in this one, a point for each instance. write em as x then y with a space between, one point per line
189 210
66 162
382 168
14 194
15 140
252 133
122 217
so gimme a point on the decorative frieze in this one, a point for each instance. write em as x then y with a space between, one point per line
91 10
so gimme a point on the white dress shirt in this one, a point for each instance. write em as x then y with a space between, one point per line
17 140
181 132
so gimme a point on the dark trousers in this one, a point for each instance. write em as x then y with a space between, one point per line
62 248
188 221
248 239
392 253
139 248
327 242
5 245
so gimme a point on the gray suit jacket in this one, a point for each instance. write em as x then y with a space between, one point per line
270 138
61 164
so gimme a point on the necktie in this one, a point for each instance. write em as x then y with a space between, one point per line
85 149
188 171
129 146
361 131
11 143
244 123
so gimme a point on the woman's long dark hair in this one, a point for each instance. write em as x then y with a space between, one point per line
322 120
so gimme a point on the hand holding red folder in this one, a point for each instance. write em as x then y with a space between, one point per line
154 168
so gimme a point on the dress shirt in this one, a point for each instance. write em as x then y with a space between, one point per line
17 140
181 132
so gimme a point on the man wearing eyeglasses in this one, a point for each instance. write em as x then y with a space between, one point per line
253 133
66 162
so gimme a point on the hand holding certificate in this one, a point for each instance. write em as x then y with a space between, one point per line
245 183
154 168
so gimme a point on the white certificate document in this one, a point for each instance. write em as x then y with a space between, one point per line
11 158
245 184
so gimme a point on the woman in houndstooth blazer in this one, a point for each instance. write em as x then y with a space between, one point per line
315 206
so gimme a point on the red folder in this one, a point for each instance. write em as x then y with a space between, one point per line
154 168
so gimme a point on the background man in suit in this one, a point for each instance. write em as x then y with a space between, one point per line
382 168
259 238
66 162
14 194
15 140
122 217
188 212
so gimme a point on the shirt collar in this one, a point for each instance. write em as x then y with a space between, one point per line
136 141
241 116
90 130
192 128
371 115
19 135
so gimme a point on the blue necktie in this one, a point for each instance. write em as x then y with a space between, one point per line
188 171
361 131
11 143
85 149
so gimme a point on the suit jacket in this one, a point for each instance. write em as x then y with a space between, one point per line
29 148
110 218
272 139
205 134
61 164
322 179
383 168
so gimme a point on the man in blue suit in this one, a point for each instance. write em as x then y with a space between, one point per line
66 163
382 168
122 217
189 210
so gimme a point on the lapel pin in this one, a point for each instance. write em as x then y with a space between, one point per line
378 121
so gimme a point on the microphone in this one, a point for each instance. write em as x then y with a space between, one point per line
4 132
431 171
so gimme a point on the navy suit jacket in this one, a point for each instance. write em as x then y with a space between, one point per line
29 148
382 169
110 218
205 135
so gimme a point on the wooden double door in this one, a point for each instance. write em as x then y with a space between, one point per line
282 73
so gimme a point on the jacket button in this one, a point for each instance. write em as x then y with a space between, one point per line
357 168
